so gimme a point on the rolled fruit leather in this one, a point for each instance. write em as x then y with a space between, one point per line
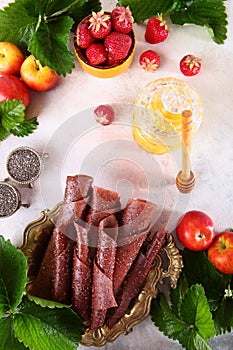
136 277
136 222
103 203
53 280
102 285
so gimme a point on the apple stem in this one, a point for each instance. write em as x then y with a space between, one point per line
37 63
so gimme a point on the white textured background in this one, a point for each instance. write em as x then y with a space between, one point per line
212 154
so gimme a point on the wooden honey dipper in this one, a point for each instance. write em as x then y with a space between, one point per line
185 180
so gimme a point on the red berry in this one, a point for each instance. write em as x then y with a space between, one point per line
96 54
190 65
118 45
122 19
99 24
156 30
150 60
112 62
83 36
104 114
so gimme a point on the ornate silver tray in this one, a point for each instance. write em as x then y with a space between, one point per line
168 264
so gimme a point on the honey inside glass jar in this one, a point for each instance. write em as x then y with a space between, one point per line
158 111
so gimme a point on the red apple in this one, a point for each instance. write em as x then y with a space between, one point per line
220 252
11 58
12 88
35 76
195 230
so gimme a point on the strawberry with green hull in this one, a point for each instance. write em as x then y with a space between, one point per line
149 60
99 24
122 20
156 30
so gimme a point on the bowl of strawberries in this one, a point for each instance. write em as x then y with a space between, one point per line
104 42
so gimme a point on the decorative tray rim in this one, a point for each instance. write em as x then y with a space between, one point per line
42 227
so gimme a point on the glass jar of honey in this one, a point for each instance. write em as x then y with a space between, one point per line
157 114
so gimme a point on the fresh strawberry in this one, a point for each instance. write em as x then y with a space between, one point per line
96 54
156 30
117 45
104 114
112 62
190 65
99 24
150 60
83 36
122 19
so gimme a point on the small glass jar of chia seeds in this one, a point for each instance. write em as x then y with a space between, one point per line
24 165
10 199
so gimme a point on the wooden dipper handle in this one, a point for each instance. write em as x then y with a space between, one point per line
185 179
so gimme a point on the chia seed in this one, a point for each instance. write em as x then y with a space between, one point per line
9 200
24 165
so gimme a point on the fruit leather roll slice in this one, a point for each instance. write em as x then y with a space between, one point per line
53 279
46 285
137 219
102 286
104 200
77 187
70 213
136 277
82 266
82 276
42 285
62 267
77 193
103 203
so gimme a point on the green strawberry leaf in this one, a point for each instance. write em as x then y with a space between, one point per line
7 336
77 9
49 44
142 10
33 324
177 294
25 128
164 318
3 133
198 269
82 9
17 28
223 316
12 113
195 311
193 327
4 306
46 303
211 14
56 7
13 275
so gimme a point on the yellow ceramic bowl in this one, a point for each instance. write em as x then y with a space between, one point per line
105 71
